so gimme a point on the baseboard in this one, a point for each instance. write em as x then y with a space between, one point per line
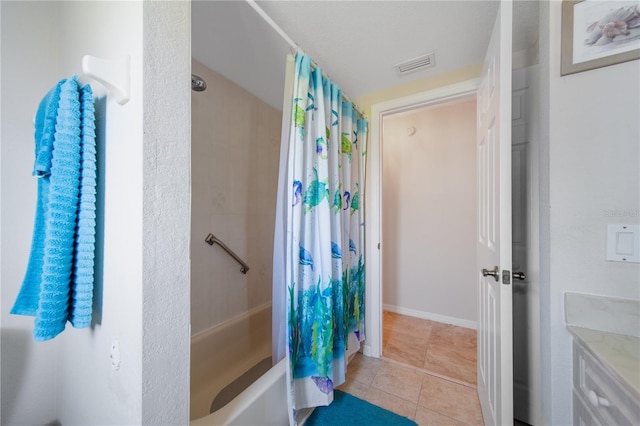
430 316
366 350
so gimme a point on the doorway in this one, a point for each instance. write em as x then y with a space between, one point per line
527 403
375 249
429 233
429 209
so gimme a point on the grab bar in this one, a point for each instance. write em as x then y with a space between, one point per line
212 239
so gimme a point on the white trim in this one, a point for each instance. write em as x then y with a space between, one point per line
418 100
373 205
431 316
230 322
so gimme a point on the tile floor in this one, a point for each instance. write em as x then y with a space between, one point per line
427 372
441 349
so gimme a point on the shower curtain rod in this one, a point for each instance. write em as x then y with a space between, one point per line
294 46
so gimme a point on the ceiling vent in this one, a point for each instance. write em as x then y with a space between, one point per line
416 64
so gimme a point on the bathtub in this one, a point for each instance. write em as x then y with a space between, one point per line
262 403
222 354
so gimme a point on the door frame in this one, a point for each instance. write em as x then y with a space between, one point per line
373 192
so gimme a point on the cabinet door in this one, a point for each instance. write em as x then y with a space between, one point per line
604 395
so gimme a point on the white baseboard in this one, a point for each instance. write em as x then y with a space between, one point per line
366 350
432 317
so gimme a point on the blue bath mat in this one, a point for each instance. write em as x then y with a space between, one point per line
348 410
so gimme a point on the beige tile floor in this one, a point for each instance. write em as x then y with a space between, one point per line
420 375
438 348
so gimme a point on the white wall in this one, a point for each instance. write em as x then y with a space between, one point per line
84 370
143 215
236 139
593 143
429 199
29 69
166 170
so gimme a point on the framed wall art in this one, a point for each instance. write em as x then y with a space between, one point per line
599 33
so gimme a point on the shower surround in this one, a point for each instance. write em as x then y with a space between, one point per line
235 155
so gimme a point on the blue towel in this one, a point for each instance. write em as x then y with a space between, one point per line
60 268
82 296
27 302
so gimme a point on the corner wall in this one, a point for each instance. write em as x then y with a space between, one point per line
143 216
593 142
75 367
166 200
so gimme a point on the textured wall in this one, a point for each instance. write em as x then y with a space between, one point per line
429 199
166 213
235 158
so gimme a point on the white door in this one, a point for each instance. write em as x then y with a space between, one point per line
495 340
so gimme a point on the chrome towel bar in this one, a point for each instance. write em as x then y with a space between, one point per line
212 239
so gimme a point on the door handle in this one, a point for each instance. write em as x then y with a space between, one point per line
519 276
493 273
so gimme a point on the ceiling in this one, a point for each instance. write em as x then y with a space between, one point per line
357 43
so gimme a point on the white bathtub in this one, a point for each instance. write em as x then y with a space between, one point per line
262 403
222 354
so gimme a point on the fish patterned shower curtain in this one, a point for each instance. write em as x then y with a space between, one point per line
320 237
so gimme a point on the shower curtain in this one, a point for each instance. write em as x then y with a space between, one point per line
319 240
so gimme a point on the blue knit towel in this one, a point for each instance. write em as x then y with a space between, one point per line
86 231
60 268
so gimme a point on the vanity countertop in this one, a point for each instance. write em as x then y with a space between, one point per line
619 352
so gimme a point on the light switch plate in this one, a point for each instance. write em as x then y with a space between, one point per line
623 243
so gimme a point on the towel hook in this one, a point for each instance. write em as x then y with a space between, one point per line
114 75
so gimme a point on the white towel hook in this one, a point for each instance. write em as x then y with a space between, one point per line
114 75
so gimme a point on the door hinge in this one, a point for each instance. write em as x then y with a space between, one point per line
506 277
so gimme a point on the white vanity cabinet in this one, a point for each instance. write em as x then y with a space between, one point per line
606 359
601 396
